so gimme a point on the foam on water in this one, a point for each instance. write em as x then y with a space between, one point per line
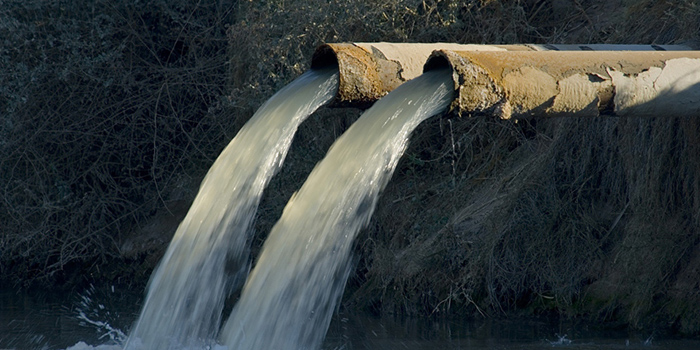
209 251
83 346
289 297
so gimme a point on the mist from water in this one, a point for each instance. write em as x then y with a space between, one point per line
209 253
289 297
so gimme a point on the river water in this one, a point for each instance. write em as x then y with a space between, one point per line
99 317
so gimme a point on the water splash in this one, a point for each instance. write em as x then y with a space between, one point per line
93 313
114 334
561 340
187 291
289 297
83 346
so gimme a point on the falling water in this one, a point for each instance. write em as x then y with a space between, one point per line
187 291
289 297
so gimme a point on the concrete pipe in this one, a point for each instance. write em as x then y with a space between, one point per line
583 83
606 47
368 71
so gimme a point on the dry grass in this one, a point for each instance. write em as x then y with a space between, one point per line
596 218
587 217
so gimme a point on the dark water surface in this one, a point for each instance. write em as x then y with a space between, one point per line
96 316
363 332
39 319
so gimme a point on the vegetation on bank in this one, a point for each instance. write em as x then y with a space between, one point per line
112 112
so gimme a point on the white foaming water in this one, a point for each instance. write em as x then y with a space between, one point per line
289 297
187 291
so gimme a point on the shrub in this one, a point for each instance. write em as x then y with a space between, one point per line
108 107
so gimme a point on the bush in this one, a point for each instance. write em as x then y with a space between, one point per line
108 107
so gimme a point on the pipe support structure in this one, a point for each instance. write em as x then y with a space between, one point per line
568 83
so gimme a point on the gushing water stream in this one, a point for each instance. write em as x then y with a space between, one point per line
289 297
187 291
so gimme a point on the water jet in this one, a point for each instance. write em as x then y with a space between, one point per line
300 274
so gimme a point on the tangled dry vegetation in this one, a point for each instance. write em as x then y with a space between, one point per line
114 110
109 109
581 217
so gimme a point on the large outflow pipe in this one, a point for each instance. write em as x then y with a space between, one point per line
368 71
565 83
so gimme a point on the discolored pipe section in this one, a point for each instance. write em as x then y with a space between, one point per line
368 71
569 83
606 47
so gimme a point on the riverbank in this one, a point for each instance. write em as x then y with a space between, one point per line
109 132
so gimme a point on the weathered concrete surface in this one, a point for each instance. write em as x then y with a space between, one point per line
368 71
526 84
659 90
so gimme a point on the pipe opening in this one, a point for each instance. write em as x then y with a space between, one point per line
324 57
436 61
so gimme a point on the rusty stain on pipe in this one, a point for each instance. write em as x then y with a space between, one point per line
368 71
561 83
